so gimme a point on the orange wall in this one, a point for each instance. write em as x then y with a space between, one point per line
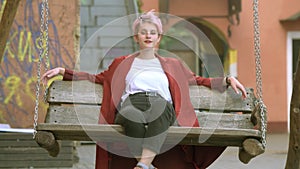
148 5
273 44
273 54
288 9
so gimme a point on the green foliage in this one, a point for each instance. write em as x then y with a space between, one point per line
139 4
168 37
83 2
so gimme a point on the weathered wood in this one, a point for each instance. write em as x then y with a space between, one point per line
251 148
203 98
89 114
29 164
224 120
206 99
19 150
28 143
255 116
186 135
81 92
47 141
293 158
7 19
11 157
73 114
74 109
14 136
33 150
244 156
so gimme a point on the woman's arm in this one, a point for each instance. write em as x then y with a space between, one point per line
71 75
221 84
218 83
74 75
52 73
236 85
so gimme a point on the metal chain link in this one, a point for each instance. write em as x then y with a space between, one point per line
263 109
41 50
46 39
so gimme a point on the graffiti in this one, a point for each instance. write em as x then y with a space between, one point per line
19 64
2 8
13 84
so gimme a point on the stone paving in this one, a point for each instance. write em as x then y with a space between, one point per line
273 158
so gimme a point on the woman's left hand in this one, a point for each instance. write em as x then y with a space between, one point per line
236 85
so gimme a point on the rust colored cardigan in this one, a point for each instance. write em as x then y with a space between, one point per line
179 77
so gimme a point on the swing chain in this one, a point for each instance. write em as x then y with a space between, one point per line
43 42
46 40
263 109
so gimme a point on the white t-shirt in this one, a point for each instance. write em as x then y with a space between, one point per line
147 75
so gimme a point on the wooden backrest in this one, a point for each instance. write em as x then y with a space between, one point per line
225 118
79 102
203 98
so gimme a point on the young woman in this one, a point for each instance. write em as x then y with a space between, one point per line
147 93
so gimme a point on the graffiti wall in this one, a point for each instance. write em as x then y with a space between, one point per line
18 69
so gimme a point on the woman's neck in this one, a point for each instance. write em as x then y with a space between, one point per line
147 54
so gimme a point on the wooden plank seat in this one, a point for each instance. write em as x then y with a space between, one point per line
225 119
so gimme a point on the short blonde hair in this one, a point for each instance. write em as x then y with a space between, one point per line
147 17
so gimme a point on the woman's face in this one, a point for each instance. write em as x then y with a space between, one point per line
147 36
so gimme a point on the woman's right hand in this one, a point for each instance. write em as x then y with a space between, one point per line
52 73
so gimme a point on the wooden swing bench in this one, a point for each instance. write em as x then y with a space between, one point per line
225 119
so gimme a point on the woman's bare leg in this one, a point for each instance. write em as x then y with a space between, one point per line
146 158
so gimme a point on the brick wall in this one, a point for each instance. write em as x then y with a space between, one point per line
105 33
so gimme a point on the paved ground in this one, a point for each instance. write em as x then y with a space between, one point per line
273 158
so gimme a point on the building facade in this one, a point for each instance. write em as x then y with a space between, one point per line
227 26
230 28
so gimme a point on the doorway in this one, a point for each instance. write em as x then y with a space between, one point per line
200 44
